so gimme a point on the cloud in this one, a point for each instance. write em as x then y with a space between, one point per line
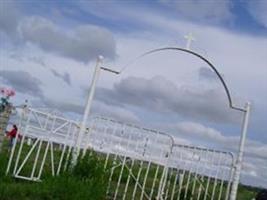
38 60
211 11
254 172
160 95
83 43
200 132
258 10
9 16
207 74
98 108
22 82
255 159
65 77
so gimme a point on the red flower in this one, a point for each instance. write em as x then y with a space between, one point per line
7 92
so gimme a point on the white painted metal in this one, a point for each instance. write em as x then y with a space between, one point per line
239 161
189 39
154 166
200 172
87 109
46 131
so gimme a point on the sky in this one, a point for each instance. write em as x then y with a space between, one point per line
48 52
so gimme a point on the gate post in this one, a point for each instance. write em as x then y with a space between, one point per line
239 160
89 101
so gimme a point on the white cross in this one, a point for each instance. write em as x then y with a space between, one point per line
189 37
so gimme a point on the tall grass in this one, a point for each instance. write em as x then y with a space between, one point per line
86 181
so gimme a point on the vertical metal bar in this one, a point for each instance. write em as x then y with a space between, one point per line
137 179
164 174
106 161
196 173
116 126
202 172
71 145
130 169
87 110
216 177
43 161
181 177
26 158
52 158
86 138
222 182
20 149
154 182
128 180
36 159
64 148
149 164
168 184
14 146
174 184
239 160
209 177
232 171
46 150
145 179
177 173
111 173
190 172
206 157
119 180
51 143
15 143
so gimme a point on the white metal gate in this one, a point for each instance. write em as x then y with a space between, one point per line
138 158
142 163
46 141
199 173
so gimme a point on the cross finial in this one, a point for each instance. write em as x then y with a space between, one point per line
189 37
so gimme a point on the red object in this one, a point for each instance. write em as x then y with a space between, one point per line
13 133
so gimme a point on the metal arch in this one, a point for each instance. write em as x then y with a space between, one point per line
205 60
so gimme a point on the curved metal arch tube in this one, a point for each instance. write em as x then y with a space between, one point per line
206 61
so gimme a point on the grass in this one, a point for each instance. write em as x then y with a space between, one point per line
86 181
89 180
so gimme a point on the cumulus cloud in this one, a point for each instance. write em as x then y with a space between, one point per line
98 108
83 43
9 15
207 74
205 11
161 95
255 159
254 171
258 10
38 60
200 132
65 77
22 82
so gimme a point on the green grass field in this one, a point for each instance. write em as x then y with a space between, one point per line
90 180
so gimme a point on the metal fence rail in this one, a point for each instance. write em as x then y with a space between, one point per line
138 158
142 163
47 134
199 173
